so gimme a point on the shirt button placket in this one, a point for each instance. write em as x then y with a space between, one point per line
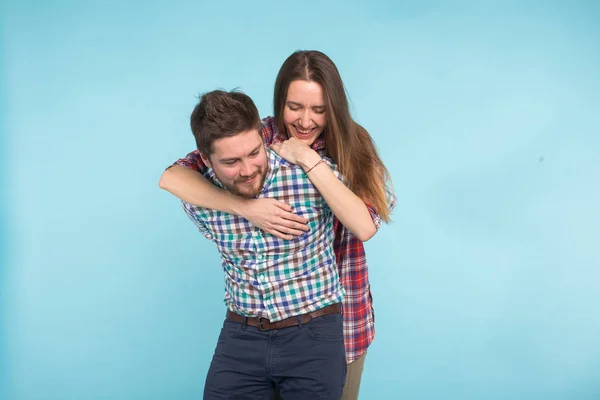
259 241
268 308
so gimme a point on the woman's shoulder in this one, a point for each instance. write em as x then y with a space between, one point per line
269 130
268 123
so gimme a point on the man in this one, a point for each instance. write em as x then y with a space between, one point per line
283 326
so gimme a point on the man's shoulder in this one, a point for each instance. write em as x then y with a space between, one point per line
329 162
278 161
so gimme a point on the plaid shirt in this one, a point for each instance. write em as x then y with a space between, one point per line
359 318
270 277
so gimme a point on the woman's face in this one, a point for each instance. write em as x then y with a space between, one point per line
304 113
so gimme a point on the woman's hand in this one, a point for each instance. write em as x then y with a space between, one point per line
274 217
296 152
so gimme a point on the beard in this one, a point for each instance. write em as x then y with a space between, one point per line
247 191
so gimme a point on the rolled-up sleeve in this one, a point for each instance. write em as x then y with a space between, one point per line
391 199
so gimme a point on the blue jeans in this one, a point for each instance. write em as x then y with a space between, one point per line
305 362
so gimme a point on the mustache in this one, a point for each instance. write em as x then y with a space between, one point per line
247 178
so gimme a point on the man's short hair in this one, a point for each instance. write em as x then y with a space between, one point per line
221 114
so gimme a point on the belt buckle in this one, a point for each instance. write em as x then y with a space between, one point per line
260 324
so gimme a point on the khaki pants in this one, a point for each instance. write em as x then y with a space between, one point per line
353 378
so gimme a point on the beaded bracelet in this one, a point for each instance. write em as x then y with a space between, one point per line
313 167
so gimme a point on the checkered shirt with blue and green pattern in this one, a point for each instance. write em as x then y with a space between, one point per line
270 277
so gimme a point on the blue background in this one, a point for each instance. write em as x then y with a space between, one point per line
486 114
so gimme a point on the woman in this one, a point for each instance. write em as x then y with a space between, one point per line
312 119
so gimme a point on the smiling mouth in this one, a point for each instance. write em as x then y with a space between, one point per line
304 132
250 179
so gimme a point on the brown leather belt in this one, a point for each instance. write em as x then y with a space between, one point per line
265 325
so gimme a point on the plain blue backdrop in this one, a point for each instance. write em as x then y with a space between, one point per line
486 114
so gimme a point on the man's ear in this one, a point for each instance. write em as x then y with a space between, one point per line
205 160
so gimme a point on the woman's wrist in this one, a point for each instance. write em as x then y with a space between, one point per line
309 160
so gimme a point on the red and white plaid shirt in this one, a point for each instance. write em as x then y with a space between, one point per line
357 306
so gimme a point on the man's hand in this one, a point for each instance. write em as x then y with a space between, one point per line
274 217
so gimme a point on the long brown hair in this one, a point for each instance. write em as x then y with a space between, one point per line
347 143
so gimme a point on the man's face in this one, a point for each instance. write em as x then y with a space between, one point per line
240 163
